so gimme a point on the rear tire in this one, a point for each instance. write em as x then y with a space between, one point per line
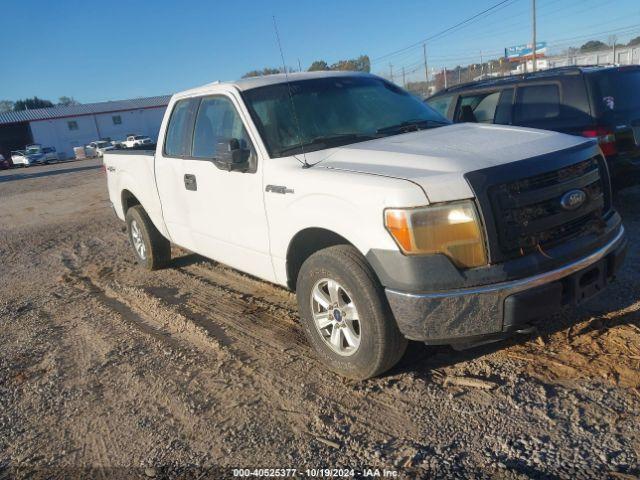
151 249
336 285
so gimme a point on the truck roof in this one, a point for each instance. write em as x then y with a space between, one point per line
249 83
255 82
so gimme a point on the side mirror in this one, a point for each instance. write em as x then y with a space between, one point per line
232 155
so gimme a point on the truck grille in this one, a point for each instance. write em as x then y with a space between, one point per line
529 214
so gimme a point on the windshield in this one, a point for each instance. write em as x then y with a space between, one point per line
33 150
138 137
102 144
334 111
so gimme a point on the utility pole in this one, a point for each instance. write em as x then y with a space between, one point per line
404 79
533 57
391 72
426 69
299 66
613 39
445 76
614 53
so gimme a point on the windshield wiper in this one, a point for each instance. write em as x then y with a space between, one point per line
324 141
411 125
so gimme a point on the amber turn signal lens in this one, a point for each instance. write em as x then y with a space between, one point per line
451 229
398 225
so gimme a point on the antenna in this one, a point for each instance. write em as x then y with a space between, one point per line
293 105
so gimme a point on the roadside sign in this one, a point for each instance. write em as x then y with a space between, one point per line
520 52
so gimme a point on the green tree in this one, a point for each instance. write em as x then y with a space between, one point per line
360 64
6 105
67 101
319 65
31 103
634 41
593 45
264 71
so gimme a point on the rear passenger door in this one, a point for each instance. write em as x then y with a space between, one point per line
170 171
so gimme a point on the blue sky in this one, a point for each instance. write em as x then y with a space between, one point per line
97 51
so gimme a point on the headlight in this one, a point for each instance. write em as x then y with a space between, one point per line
452 229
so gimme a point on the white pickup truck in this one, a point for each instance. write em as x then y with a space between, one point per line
389 223
135 141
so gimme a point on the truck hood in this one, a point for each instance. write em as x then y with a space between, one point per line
437 159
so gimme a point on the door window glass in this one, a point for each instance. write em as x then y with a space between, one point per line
538 102
441 104
503 110
478 107
216 123
178 141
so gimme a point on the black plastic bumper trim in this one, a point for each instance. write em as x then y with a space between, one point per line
487 309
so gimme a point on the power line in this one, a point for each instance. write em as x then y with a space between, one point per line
554 43
410 51
432 37
561 42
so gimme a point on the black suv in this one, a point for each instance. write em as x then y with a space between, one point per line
598 102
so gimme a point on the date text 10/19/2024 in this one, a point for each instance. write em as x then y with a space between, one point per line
314 473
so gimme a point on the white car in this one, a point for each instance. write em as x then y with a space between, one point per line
136 141
19 157
388 222
101 146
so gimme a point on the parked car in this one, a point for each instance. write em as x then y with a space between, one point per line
388 222
37 154
4 163
19 157
101 146
594 102
136 141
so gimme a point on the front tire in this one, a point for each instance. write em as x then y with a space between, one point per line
345 315
151 249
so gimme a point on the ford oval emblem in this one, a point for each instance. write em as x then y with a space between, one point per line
573 199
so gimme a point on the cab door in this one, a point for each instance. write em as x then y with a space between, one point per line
226 214
170 174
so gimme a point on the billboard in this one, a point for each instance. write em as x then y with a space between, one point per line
522 51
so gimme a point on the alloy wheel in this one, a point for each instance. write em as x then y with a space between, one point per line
336 317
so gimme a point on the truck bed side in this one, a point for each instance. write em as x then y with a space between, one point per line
131 178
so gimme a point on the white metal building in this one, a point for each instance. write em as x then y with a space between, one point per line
77 125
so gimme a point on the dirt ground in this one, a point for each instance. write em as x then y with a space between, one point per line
109 371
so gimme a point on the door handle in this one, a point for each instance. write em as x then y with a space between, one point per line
190 182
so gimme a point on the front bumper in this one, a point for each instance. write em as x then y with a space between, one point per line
456 315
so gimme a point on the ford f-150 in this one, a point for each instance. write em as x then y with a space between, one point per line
388 222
